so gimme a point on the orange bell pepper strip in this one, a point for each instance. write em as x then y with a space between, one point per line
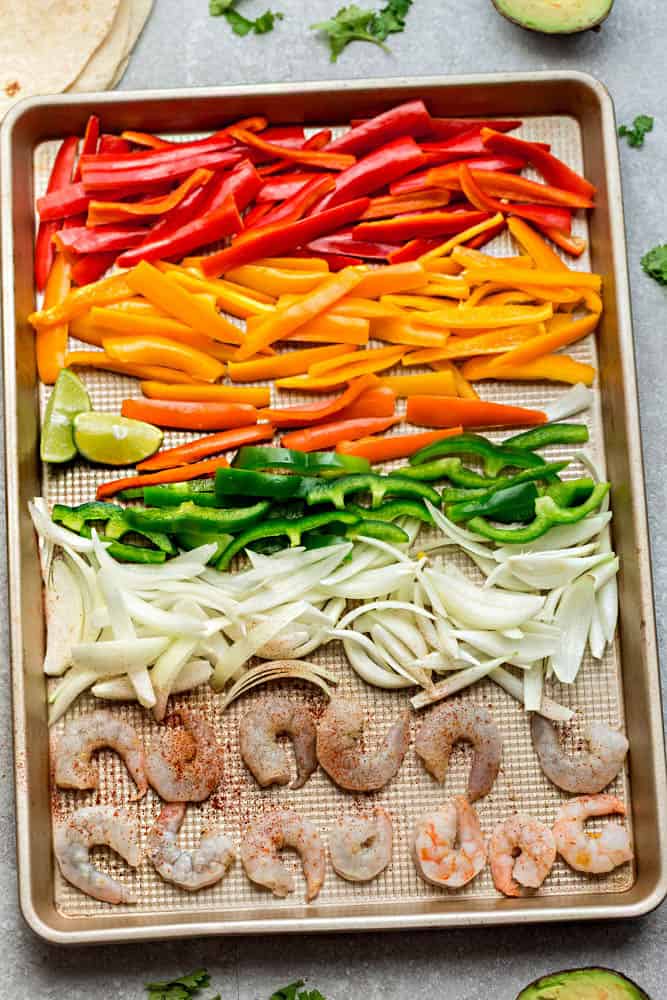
378 401
101 360
327 435
442 265
548 367
148 281
446 411
511 295
102 212
286 321
254 395
390 280
332 329
408 332
371 309
574 245
516 188
388 206
195 451
552 169
190 416
104 322
495 342
84 329
181 474
524 278
541 253
164 353
468 257
275 281
192 279
327 161
559 335
51 341
430 384
486 317
282 365
80 300
421 303
295 263
446 286
310 413
386 449
468 234
374 360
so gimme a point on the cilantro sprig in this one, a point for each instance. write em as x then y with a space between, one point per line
182 988
636 132
655 263
239 24
358 24
294 992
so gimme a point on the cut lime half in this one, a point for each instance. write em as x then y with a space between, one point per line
113 440
68 398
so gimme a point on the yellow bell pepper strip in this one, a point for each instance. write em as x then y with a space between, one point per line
165 354
420 303
538 249
432 384
80 300
313 158
486 317
274 281
234 299
295 263
91 327
365 365
312 413
445 287
168 296
286 321
282 365
102 361
495 342
524 278
446 248
394 278
561 335
482 291
446 411
548 367
468 257
442 265
463 386
259 395
377 359
82 328
130 322
371 309
51 341
408 332
331 329
394 446
102 212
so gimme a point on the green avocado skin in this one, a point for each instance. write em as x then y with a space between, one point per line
532 17
583 984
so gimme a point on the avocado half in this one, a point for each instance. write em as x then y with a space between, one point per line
555 17
583 984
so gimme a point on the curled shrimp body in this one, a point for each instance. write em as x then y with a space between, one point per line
261 752
185 766
340 753
594 853
268 835
437 857
191 870
87 827
454 721
82 737
360 846
586 772
535 846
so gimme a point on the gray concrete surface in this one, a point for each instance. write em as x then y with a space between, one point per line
183 47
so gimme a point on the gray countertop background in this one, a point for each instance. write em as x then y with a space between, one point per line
183 47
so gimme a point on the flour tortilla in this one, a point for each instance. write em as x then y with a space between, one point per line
45 44
140 9
101 68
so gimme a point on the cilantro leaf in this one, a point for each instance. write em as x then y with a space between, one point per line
181 988
635 134
294 992
655 263
358 24
239 24
218 7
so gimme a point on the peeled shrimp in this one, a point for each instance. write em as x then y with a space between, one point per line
534 843
586 772
360 846
454 721
87 827
437 858
268 835
185 767
261 752
595 853
340 754
191 870
82 737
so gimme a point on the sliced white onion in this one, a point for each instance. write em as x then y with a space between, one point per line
246 647
193 675
533 687
514 687
369 670
575 400
455 682
574 616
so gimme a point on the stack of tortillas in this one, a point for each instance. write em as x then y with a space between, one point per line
49 46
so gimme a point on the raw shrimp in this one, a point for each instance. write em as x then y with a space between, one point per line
191 870
340 754
585 772
185 767
261 752
360 846
594 853
437 858
82 737
268 835
455 721
85 828
522 851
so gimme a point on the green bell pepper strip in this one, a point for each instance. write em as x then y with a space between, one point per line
335 491
183 490
125 552
173 494
514 503
494 457
545 472
570 493
116 525
279 527
540 437
391 510
244 482
547 514
383 530
193 539
189 517
314 463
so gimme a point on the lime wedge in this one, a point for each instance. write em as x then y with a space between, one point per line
68 397
113 440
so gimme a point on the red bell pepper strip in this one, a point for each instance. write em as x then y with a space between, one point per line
71 199
310 413
552 169
299 204
447 176
452 411
107 177
180 474
146 139
506 185
418 225
336 261
412 250
208 228
99 239
314 158
411 119
386 449
194 451
447 128
89 145
113 144
549 215
387 206
91 266
272 241
467 144
191 207
344 242
574 245
190 416
285 186
483 238
280 133
60 177
375 171
175 153
243 183
257 212
327 435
